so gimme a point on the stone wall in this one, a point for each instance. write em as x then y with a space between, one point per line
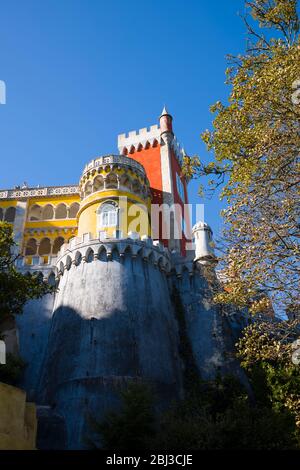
34 325
17 420
113 323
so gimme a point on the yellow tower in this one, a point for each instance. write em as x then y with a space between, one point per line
115 198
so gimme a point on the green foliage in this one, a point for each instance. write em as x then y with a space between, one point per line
239 426
11 372
15 288
219 417
266 350
131 428
217 414
255 141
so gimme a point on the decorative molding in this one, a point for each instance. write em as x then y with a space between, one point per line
111 160
39 192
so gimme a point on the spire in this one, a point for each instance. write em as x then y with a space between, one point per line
164 112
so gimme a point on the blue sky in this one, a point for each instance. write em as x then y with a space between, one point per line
80 72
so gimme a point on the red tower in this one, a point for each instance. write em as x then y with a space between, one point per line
157 149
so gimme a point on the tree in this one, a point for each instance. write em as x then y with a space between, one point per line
266 351
220 416
130 428
256 140
15 288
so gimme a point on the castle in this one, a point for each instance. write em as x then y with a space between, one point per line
113 319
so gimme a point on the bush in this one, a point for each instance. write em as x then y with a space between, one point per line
11 372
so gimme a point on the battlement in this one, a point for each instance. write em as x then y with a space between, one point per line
145 138
86 249
142 138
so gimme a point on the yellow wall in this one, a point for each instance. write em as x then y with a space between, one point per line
86 221
8 203
52 228
18 424
68 200
88 212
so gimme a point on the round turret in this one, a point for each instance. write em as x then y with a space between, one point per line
113 324
203 236
109 187
165 122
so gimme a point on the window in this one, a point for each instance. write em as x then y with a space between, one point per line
61 211
108 215
74 208
48 212
58 242
35 212
45 247
10 214
180 187
31 247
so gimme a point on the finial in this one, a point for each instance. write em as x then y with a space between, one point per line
164 112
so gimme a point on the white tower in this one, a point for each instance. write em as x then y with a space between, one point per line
202 234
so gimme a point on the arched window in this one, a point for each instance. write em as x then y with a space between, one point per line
108 214
111 181
48 212
88 189
78 258
10 214
74 208
98 183
61 211
45 247
51 279
136 187
89 257
58 242
68 263
35 212
31 247
125 182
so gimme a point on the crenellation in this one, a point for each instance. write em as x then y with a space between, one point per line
141 137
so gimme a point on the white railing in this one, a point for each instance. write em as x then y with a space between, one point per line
38 192
111 159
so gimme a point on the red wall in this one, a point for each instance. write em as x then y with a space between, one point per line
150 159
